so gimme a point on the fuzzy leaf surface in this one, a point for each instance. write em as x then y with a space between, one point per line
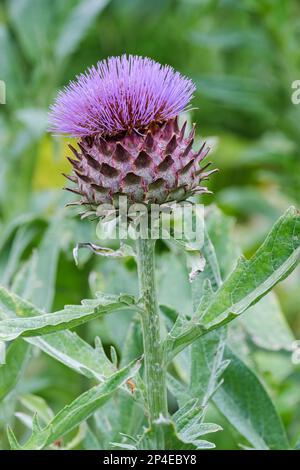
77 411
248 283
29 323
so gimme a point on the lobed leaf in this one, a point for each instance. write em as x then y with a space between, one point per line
252 279
72 351
249 282
211 360
163 436
32 322
189 423
76 412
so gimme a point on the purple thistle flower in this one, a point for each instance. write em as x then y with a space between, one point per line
124 112
120 94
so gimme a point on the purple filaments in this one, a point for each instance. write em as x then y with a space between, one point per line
120 94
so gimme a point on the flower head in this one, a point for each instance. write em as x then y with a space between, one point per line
124 113
120 94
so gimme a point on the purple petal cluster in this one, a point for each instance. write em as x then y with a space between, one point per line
120 94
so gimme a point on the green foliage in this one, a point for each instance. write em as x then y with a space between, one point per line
171 440
74 413
243 400
246 285
76 25
228 337
37 323
217 375
12 369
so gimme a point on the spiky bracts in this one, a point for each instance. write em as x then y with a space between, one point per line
124 112
157 167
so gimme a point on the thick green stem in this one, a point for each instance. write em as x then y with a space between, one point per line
155 374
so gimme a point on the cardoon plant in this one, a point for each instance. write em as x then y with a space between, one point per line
124 113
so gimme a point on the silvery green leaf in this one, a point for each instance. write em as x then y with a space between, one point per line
163 436
267 326
47 260
188 232
114 356
65 346
196 264
69 349
33 322
16 361
78 411
119 445
90 440
21 240
250 281
124 250
35 280
13 442
253 278
189 422
222 237
2 353
78 438
25 419
174 288
36 431
37 405
243 400
208 365
83 406
10 66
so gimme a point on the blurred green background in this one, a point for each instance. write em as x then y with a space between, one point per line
243 57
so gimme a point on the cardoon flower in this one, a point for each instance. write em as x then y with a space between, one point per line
125 113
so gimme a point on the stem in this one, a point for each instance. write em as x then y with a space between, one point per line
155 374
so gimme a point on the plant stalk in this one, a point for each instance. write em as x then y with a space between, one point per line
155 373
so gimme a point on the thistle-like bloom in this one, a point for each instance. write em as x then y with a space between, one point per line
124 113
